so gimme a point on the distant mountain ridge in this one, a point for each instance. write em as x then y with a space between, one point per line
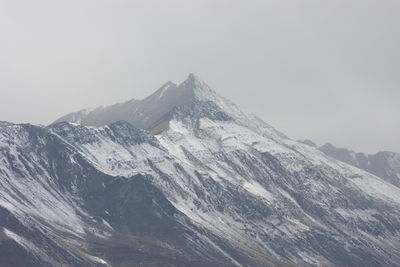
385 165
212 186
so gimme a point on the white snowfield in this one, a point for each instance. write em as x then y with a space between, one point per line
234 175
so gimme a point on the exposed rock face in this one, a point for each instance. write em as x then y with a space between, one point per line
59 207
213 187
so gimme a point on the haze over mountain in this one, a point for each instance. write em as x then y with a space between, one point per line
185 178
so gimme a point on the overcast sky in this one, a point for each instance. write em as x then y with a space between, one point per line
323 70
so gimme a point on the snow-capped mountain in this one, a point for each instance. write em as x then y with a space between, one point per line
185 178
60 207
158 108
142 114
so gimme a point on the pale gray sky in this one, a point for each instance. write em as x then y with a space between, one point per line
324 70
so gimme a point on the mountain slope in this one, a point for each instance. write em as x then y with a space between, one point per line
57 207
243 180
212 187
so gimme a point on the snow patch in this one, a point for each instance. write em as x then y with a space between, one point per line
256 189
378 188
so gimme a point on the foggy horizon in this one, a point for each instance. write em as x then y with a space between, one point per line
328 72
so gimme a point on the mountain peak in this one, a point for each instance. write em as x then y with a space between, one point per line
192 80
161 92
182 92
197 88
157 106
168 85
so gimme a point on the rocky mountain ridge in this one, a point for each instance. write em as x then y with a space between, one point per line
384 164
212 186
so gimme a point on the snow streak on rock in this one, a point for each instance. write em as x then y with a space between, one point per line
214 187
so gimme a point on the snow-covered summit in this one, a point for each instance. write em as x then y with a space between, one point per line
147 112
245 192
191 97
